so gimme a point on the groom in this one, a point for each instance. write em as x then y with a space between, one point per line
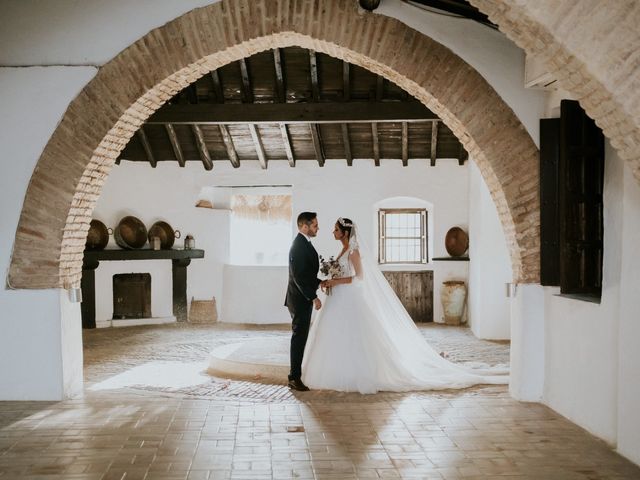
301 292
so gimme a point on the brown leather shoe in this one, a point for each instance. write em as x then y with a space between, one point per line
298 385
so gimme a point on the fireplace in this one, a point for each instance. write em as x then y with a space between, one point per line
107 303
131 295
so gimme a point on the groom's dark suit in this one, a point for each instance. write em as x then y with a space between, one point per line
301 291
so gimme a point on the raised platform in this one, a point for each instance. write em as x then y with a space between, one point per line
265 359
131 322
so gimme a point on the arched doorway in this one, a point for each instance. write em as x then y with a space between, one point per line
126 91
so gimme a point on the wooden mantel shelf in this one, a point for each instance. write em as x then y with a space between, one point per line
141 254
180 260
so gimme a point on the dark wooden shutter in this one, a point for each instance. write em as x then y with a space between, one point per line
549 212
581 176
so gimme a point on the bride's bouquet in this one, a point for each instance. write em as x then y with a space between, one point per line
330 269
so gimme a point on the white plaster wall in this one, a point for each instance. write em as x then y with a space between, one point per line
628 421
490 266
170 193
527 359
33 335
70 346
582 338
69 32
254 294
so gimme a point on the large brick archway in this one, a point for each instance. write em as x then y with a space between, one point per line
592 48
97 125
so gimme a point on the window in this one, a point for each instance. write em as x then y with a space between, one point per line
571 199
260 229
402 235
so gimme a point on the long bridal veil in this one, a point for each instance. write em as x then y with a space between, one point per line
404 342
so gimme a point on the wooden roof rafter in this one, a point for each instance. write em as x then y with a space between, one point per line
228 143
202 147
317 143
147 147
286 140
175 144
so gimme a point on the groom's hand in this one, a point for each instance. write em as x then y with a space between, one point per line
317 303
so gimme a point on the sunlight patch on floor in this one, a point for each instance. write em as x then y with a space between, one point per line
157 374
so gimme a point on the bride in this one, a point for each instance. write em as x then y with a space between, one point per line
363 339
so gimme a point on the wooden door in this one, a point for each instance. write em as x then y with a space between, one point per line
415 291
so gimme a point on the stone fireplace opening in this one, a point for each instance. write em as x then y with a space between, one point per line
131 295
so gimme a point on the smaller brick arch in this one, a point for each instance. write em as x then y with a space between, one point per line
68 178
592 47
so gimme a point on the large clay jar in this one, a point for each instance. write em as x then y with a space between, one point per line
453 296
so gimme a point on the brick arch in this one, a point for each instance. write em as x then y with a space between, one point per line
592 48
100 121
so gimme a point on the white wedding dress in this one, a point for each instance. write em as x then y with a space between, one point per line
363 340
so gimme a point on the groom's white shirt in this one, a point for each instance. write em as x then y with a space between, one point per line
306 236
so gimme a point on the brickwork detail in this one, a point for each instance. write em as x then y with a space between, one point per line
98 123
592 47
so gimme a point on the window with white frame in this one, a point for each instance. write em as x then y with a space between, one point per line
402 235
260 229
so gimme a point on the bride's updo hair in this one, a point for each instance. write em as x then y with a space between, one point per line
345 225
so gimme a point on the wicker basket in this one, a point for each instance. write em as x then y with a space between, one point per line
203 311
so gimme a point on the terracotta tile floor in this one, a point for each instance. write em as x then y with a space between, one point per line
158 432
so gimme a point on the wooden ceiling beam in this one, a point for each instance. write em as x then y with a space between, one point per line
317 143
346 81
280 85
434 142
313 68
202 147
218 91
247 93
346 141
379 88
292 113
147 146
228 143
257 143
376 144
287 144
175 144
405 144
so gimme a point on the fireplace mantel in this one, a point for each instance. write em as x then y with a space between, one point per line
91 256
180 260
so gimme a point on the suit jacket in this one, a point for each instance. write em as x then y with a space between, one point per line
303 272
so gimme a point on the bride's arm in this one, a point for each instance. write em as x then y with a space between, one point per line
357 265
